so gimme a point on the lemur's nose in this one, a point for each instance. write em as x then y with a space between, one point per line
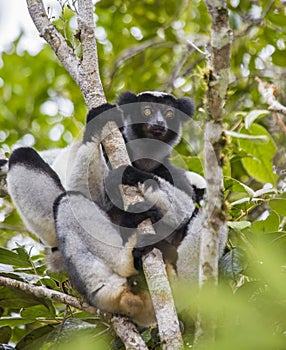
158 128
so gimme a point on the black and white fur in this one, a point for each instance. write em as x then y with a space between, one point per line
171 194
69 202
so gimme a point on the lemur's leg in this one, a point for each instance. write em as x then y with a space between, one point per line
34 186
189 249
92 252
78 216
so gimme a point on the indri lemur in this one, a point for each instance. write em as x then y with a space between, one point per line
73 202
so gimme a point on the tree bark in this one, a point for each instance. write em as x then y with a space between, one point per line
164 307
221 38
214 227
125 329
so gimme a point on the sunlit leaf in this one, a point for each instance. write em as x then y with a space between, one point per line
270 224
37 311
279 205
259 161
14 258
239 225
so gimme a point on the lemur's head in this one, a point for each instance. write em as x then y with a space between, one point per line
155 115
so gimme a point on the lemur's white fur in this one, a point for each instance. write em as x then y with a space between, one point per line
176 206
95 230
34 192
154 93
103 260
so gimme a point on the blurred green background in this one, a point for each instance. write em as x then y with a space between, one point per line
159 45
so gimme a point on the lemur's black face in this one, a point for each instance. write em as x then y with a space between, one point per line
156 119
155 115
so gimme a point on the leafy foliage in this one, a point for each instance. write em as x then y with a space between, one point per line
146 46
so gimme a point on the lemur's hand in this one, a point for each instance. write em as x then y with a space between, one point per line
128 175
98 117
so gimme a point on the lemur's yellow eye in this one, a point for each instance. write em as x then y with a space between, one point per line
169 113
147 111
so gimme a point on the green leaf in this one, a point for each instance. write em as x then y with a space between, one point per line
239 225
259 138
36 338
38 311
270 224
231 264
278 58
14 298
258 164
238 135
279 205
264 191
237 186
18 258
14 321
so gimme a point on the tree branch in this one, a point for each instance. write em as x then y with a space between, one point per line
124 328
89 81
214 227
54 38
221 39
128 333
43 292
159 287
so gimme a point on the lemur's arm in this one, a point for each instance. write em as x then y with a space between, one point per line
89 167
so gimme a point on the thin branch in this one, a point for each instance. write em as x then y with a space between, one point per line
89 82
279 121
128 333
54 38
153 265
177 69
135 50
194 46
43 292
253 22
121 325
270 92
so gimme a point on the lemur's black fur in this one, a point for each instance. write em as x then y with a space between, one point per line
156 119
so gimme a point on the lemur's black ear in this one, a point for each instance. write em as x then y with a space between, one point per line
127 97
186 105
